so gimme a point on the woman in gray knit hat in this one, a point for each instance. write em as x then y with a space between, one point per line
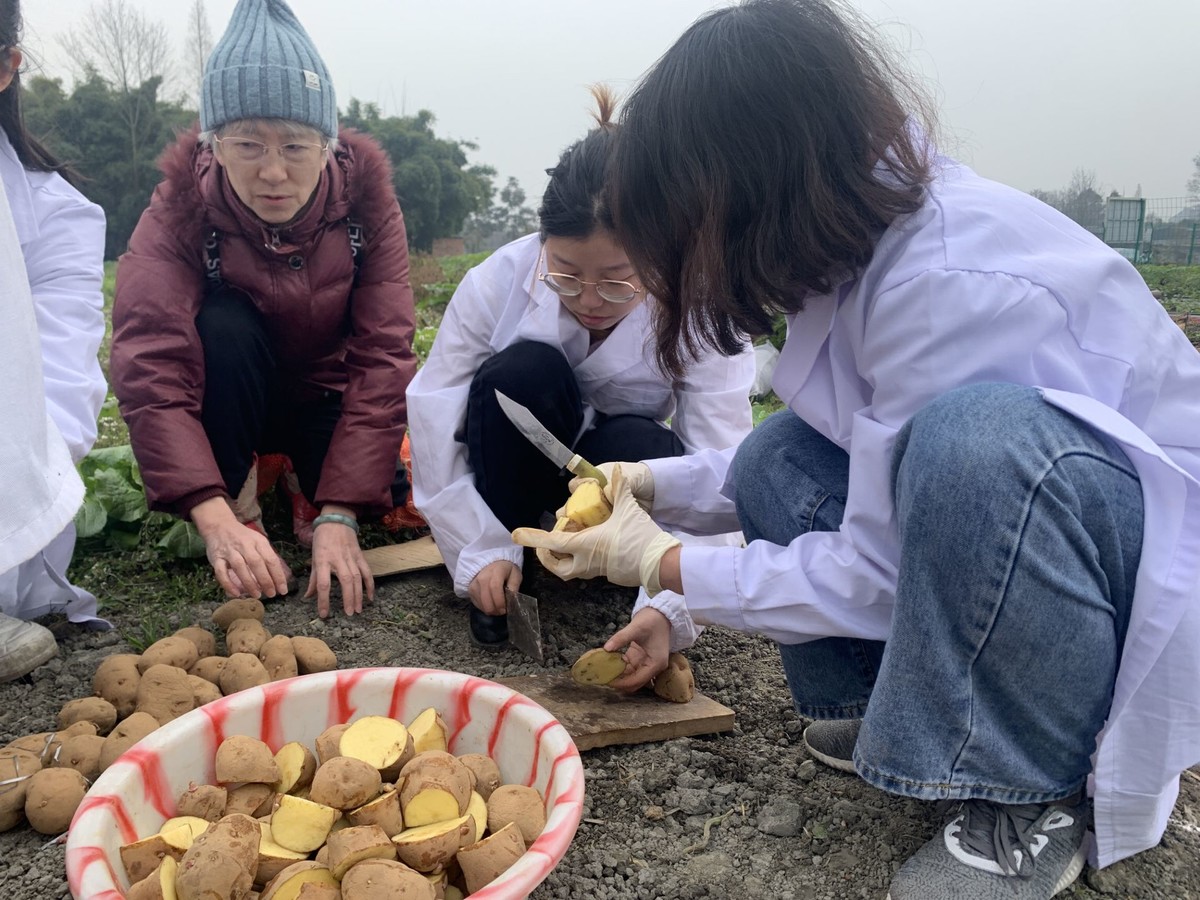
263 307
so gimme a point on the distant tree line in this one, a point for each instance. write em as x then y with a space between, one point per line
1080 200
117 118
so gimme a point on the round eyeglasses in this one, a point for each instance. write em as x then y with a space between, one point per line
608 289
293 153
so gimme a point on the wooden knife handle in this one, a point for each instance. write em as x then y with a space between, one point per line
585 469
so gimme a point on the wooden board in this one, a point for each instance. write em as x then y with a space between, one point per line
600 717
411 556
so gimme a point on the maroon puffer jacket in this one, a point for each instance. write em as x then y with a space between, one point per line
329 333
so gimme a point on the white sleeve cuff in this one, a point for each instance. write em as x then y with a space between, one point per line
684 630
468 568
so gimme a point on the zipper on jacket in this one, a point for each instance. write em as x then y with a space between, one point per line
274 243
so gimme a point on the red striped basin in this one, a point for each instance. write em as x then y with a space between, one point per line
136 794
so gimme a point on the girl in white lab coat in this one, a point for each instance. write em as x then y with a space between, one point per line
61 236
558 321
975 531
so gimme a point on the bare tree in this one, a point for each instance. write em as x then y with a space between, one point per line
1193 185
1080 200
132 55
120 44
1083 181
199 45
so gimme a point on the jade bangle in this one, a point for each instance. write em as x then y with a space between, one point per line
348 521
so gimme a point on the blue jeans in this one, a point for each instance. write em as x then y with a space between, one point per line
1020 533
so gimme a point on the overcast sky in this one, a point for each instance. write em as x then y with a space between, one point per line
1027 90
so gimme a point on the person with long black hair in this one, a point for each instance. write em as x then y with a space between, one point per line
61 236
975 530
558 321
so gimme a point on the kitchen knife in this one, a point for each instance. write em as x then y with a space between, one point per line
538 435
524 624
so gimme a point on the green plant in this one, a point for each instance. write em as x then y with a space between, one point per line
1178 285
423 341
455 267
114 509
115 504
760 409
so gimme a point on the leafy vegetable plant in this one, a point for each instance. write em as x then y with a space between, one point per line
115 510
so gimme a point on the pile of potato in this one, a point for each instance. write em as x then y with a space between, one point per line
43 777
381 810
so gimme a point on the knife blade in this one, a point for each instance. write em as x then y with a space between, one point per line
524 624
539 435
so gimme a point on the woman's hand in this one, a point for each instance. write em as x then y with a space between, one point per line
243 560
486 589
637 475
335 552
647 643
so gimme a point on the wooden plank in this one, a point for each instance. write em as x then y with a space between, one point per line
411 556
601 717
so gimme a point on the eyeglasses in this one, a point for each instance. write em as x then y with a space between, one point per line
570 286
248 151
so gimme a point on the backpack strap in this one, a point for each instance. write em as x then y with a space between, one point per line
358 244
212 259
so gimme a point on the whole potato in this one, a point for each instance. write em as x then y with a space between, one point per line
246 636
165 692
96 710
169 651
82 753
241 608
313 655
205 641
52 798
243 670
116 680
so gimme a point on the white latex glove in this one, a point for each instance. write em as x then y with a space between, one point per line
626 549
637 475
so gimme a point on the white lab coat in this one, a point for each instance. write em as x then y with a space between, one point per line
984 283
61 236
41 487
499 303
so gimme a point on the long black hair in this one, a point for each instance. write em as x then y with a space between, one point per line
29 150
574 204
758 161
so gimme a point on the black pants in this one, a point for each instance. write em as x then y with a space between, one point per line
516 481
246 409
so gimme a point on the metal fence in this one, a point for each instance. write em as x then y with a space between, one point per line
1161 232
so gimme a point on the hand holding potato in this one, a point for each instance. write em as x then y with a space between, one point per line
626 549
647 643
637 475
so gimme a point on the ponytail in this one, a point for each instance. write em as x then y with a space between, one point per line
574 205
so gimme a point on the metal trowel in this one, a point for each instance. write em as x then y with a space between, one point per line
524 624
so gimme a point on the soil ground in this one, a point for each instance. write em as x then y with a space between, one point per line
741 814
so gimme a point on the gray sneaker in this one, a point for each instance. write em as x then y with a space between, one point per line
23 647
832 741
989 850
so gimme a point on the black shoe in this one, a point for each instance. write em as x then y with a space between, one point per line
831 741
488 632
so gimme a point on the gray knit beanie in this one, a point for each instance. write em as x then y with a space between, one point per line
265 66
